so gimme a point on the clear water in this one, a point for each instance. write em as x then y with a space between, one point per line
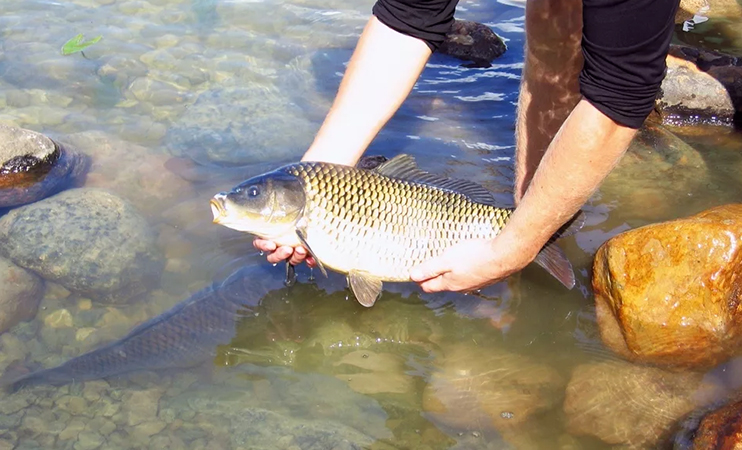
184 98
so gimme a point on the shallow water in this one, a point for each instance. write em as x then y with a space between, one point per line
230 89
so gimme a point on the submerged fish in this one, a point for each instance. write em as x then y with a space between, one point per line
187 334
372 225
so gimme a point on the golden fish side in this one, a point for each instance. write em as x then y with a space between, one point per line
373 225
360 220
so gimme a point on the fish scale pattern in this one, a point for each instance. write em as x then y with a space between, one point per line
385 225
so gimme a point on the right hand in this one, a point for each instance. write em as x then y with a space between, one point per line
276 252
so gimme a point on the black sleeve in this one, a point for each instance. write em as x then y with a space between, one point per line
625 43
428 20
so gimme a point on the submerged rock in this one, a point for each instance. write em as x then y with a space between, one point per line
621 403
33 167
88 240
20 294
472 41
700 87
131 171
487 390
657 176
712 428
241 126
670 293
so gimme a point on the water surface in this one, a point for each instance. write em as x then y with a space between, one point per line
183 98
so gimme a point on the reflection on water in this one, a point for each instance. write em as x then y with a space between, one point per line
181 99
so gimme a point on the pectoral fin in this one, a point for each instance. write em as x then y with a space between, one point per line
553 259
365 287
302 235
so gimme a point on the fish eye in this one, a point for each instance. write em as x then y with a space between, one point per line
253 191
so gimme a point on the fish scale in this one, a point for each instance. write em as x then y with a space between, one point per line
363 220
373 225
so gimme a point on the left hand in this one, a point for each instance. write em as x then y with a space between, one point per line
471 265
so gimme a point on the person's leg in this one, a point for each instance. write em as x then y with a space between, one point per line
549 88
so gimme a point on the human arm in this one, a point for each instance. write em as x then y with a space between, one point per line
625 45
581 155
380 75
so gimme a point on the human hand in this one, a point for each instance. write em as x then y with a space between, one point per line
284 248
471 265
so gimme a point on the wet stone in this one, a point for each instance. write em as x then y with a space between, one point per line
472 41
596 402
88 240
101 425
73 429
74 405
13 404
257 118
667 294
20 295
88 440
60 318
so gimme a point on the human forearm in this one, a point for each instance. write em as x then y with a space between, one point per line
584 151
381 73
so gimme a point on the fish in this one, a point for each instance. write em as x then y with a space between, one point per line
184 336
373 225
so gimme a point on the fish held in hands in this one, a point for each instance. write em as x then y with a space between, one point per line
373 225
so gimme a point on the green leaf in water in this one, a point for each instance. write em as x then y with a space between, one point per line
77 44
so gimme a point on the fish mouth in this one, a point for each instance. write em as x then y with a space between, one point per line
217 207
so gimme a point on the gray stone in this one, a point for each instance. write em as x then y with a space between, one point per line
700 87
243 125
20 294
472 41
23 150
87 240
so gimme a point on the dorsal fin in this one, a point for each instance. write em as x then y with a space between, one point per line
404 167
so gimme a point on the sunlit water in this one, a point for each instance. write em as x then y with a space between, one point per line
230 89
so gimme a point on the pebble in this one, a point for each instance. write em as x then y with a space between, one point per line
73 429
101 425
55 291
150 428
84 304
6 444
88 440
60 318
74 405
83 333
12 404
177 265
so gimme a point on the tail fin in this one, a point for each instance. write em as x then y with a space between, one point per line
553 259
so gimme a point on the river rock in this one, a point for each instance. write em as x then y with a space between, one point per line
621 403
20 294
669 293
700 87
658 175
32 166
88 240
708 8
485 389
244 125
131 171
712 428
472 41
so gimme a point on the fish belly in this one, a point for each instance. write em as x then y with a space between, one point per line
383 244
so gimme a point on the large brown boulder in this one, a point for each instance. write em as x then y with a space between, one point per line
700 87
669 293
